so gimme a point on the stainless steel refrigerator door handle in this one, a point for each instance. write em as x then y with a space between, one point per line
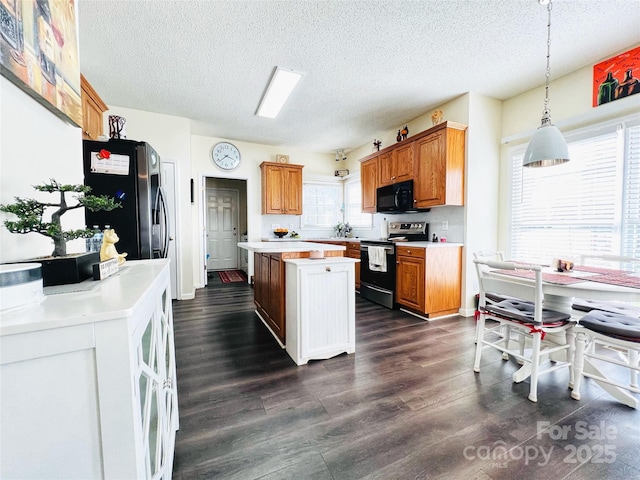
165 222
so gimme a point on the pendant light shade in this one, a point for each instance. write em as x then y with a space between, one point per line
547 146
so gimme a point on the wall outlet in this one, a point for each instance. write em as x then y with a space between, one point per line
291 226
274 226
445 225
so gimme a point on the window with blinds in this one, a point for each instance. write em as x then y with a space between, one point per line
590 204
322 204
353 202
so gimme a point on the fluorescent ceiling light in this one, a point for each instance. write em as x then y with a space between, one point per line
282 83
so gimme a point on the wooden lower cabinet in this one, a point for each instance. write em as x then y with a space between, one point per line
353 251
269 291
428 280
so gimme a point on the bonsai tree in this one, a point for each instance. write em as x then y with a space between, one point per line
30 211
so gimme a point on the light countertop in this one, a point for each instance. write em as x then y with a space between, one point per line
93 301
283 247
301 239
321 261
286 241
430 244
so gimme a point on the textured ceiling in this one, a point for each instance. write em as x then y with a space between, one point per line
370 66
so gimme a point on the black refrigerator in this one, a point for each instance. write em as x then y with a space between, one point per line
130 172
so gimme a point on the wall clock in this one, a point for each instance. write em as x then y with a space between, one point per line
225 155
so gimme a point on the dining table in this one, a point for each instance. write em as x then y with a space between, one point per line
560 289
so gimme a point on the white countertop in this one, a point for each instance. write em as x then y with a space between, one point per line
113 297
283 247
300 239
430 244
321 261
280 241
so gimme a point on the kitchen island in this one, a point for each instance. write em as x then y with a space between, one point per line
269 277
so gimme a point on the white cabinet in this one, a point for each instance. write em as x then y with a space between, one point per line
87 381
320 302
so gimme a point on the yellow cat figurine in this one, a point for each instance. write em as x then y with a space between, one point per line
108 248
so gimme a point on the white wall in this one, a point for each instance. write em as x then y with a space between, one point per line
35 145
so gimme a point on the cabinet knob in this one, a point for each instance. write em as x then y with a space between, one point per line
86 132
327 269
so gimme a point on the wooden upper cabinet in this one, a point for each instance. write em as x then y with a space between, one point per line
439 167
281 188
403 162
369 183
434 159
396 165
386 172
92 109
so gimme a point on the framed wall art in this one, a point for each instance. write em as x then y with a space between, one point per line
617 77
39 53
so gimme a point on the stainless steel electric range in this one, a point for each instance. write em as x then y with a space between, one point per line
378 261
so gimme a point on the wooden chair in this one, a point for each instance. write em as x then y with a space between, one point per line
540 332
493 297
614 339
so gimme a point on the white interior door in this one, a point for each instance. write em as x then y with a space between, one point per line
222 228
169 182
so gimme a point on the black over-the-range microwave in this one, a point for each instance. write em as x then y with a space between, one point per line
396 198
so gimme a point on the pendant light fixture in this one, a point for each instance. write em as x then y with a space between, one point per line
547 146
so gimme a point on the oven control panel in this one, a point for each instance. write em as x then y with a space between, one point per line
408 228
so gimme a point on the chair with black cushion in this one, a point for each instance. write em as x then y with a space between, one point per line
540 332
606 261
612 339
494 297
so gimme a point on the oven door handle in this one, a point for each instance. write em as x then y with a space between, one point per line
377 289
365 248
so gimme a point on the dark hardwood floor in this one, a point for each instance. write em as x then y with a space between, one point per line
406 405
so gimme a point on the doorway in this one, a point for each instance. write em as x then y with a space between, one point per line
225 222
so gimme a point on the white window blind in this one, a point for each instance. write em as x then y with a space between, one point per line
353 201
631 204
322 203
590 204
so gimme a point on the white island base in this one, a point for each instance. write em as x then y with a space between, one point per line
320 305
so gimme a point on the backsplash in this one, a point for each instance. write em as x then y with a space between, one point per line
454 216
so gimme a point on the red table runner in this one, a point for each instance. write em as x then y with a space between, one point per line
615 277
558 278
621 280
